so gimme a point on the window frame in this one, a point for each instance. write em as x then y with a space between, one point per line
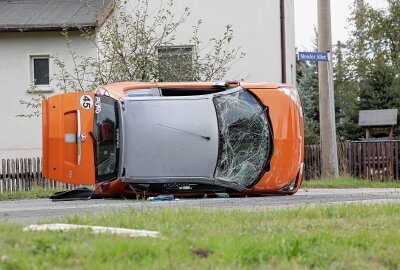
176 47
38 87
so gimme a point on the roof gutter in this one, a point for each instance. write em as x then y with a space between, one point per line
23 28
283 42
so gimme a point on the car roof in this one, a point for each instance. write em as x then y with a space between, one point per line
174 137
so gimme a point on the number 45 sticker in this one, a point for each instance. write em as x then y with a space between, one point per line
86 102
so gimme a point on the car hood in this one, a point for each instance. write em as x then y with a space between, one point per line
168 138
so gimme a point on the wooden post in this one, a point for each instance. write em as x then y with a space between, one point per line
31 180
397 157
26 179
17 175
34 178
364 160
3 177
13 175
349 158
370 162
21 173
9 180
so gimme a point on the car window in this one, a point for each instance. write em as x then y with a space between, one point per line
245 138
151 92
106 138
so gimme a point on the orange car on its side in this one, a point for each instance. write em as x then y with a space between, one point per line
185 139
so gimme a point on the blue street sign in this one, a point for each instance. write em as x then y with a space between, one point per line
313 56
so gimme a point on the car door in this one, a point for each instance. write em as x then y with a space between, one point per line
67 120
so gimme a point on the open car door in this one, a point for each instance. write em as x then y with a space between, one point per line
67 120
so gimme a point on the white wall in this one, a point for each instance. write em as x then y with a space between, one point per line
256 26
21 137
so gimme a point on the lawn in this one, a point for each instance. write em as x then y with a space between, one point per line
342 182
35 193
348 182
334 237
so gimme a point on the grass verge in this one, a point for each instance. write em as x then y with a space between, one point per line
348 182
35 193
334 237
343 182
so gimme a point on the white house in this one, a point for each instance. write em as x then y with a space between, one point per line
30 36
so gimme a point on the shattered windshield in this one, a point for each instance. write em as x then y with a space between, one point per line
245 138
106 136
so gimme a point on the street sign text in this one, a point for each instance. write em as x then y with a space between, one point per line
313 56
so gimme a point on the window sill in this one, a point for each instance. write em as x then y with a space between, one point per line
40 89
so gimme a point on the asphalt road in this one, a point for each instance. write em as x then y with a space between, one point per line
31 211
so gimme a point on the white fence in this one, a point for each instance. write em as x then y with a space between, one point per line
24 174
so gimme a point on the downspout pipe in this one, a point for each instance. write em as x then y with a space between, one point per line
283 42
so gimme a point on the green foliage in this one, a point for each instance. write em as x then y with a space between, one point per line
308 89
372 63
34 103
346 98
329 237
366 71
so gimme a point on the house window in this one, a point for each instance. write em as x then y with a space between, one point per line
40 70
175 63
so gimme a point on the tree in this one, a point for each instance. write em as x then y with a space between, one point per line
346 97
131 47
373 56
308 89
366 71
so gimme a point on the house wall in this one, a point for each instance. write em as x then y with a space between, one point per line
21 137
256 26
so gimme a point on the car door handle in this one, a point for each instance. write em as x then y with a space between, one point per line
79 136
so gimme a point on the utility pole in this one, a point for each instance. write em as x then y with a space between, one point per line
329 157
